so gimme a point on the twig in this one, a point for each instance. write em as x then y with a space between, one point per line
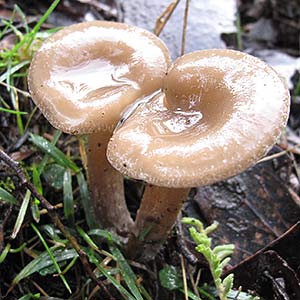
198 277
45 211
185 19
294 196
194 285
270 157
291 150
24 93
54 217
184 277
163 19
41 290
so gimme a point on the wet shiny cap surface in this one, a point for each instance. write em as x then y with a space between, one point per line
84 76
219 112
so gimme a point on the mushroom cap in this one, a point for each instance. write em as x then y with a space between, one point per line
84 76
219 112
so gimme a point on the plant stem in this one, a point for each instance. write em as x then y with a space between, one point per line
107 187
156 216
185 20
163 19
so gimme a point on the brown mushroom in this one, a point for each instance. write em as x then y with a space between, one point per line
219 112
81 79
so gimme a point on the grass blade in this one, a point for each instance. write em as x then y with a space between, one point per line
13 28
68 198
20 12
70 265
126 272
53 174
50 253
86 237
6 27
86 200
45 159
126 295
7 197
30 296
41 21
4 253
15 100
53 234
35 211
144 292
19 249
43 261
13 112
38 184
28 39
108 236
21 214
14 69
37 180
54 152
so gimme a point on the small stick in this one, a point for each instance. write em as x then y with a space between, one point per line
163 19
184 277
287 150
186 13
194 285
45 211
198 277
54 217
270 157
41 290
24 93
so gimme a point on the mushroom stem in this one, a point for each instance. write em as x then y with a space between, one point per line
156 216
106 187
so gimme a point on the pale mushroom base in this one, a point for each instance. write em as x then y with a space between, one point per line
107 188
156 216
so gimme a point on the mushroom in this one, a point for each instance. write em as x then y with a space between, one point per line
81 79
218 113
